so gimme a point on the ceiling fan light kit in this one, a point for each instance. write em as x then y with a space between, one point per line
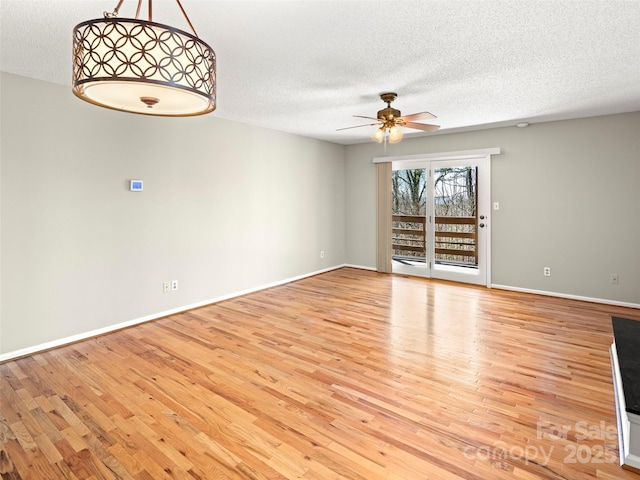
389 119
140 66
378 135
395 135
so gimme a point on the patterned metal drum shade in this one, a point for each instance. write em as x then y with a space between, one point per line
143 67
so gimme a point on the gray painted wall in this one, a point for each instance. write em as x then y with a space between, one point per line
79 252
569 196
226 207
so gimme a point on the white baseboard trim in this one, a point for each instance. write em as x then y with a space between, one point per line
136 321
361 267
130 323
566 295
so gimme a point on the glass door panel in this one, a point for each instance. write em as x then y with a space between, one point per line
409 222
455 214
461 197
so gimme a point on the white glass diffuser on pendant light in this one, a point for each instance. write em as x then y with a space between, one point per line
140 66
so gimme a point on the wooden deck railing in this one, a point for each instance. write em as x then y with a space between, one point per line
410 233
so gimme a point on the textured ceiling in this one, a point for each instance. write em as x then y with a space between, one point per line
306 67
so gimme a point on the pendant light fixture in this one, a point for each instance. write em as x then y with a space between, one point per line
141 66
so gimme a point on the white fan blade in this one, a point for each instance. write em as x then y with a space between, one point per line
368 118
422 126
418 116
357 126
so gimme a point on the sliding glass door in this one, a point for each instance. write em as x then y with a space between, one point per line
440 224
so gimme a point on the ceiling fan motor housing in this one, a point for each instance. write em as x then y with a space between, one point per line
388 114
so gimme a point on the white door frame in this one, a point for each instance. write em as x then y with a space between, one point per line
483 157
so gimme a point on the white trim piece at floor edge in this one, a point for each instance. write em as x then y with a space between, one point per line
361 267
119 326
568 296
130 323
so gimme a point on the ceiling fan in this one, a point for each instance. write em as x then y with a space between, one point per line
389 119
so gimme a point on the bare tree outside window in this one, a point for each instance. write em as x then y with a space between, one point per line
409 192
455 192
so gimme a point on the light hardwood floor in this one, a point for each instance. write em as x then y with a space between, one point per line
346 375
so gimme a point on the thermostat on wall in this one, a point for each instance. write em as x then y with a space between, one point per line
136 186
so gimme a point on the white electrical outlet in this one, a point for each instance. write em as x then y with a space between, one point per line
614 278
547 271
174 285
321 253
166 287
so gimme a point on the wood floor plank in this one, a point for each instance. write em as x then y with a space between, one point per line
346 375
